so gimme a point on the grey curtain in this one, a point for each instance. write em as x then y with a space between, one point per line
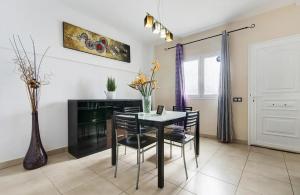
179 85
225 129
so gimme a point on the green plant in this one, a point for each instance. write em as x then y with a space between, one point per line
111 84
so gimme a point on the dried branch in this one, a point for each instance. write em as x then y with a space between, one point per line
29 71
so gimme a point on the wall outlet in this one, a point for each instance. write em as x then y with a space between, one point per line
237 99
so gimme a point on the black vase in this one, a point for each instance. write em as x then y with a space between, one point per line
36 155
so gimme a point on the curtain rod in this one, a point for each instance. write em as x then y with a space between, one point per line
213 36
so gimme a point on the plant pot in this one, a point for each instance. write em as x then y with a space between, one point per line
36 155
110 94
146 100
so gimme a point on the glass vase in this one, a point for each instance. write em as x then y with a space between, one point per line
146 104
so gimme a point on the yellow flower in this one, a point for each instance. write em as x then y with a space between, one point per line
142 78
156 66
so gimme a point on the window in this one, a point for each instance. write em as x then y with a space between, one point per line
191 77
202 77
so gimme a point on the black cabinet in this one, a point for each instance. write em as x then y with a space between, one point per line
89 124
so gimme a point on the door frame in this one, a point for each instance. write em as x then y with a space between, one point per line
252 81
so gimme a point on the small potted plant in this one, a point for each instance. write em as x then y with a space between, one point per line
111 88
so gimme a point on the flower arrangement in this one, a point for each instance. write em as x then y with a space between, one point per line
146 86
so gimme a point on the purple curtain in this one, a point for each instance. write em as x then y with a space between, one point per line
180 96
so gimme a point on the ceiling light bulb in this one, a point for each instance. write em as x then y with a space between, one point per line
148 21
169 37
163 33
156 28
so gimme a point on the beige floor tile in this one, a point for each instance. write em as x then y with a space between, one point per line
175 173
62 167
268 160
205 185
273 172
109 172
267 151
264 185
295 177
291 156
293 165
67 182
127 179
17 175
37 186
229 161
243 191
61 157
96 186
227 174
185 192
296 190
150 187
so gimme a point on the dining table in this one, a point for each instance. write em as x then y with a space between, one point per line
159 122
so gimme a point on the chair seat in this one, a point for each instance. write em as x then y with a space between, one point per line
175 137
173 126
131 141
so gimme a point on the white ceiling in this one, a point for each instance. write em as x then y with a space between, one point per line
182 17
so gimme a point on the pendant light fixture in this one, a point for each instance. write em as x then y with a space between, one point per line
148 21
157 27
169 37
163 33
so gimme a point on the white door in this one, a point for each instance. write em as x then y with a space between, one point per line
274 94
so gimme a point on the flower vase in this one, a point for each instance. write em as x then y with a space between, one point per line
146 100
36 155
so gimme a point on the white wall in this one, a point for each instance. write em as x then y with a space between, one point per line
75 74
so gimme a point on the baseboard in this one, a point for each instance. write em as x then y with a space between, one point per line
237 141
208 136
18 161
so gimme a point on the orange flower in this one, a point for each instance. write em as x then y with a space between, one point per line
156 66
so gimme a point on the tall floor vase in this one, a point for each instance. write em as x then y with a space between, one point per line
36 155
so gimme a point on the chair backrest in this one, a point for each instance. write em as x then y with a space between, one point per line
132 109
126 121
182 109
192 119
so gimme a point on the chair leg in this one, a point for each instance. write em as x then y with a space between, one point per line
195 153
183 152
143 156
139 160
156 156
125 151
170 149
117 156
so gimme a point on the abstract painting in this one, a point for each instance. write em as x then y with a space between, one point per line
86 41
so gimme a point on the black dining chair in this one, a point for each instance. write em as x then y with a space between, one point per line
133 109
180 137
178 125
135 138
144 129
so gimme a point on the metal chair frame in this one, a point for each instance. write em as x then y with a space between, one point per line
130 123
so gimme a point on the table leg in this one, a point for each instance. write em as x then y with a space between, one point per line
197 135
160 156
113 145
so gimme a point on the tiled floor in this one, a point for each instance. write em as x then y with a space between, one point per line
223 169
